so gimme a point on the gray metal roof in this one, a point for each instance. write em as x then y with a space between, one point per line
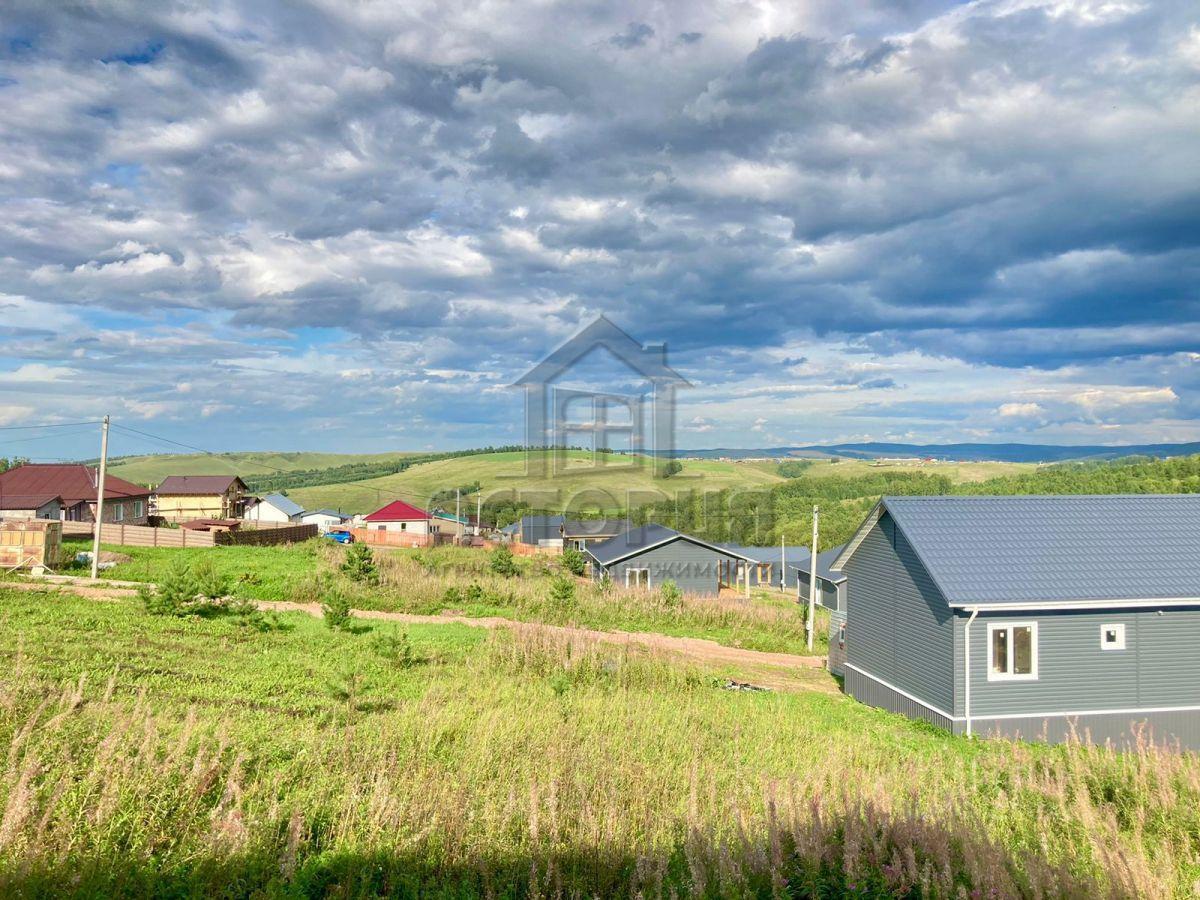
285 505
825 559
631 542
1039 549
643 537
583 528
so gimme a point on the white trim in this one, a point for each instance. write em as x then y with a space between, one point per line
1130 711
1056 714
1119 629
1151 603
1010 645
645 569
967 670
903 693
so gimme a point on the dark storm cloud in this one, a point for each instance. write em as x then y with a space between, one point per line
932 190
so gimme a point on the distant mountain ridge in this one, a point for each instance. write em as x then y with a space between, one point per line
1030 453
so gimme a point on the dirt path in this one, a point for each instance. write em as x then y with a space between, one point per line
777 670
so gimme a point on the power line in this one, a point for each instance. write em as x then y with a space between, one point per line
55 425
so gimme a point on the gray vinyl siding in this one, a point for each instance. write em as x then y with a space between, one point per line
690 566
827 592
1160 665
898 626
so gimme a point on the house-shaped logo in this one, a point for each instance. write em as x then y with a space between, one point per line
557 417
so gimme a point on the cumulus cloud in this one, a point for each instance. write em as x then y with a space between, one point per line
854 214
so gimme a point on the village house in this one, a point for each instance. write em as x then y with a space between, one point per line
181 498
1034 617
73 485
648 556
274 509
401 516
325 519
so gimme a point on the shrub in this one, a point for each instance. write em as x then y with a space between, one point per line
336 608
670 593
210 582
562 589
359 564
502 561
176 592
396 648
574 561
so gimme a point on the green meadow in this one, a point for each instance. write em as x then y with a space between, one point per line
224 756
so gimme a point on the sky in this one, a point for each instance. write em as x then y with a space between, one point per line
352 226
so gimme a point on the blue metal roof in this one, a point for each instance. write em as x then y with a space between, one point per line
1039 549
285 505
644 536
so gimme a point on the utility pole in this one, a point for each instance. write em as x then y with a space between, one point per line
99 524
812 582
479 513
458 512
782 563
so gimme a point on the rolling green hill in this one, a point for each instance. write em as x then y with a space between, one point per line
620 482
154 468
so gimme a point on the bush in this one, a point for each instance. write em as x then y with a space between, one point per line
574 561
562 589
396 648
502 561
359 564
176 592
670 593
209 582
336 608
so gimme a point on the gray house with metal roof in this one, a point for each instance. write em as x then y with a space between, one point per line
1030 617
648 556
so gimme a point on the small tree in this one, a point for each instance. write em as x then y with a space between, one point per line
562 590
336 608
674 467
360 564
670 593
574 561
502 561
176 592
209 582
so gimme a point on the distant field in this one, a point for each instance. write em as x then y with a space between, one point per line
610 487
154 468
957 472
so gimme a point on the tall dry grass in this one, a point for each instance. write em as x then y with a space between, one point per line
422 582
493 794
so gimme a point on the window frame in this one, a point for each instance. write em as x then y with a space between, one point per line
1119 627
1010 627
631 569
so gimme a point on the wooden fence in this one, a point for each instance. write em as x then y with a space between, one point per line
399 538
145 536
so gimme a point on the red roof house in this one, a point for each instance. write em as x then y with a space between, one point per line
401 516
75 484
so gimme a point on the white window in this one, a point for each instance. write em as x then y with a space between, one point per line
1012 651
138 509
637 578
118 512
1112 637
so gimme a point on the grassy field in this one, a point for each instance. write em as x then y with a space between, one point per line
957 472
459 580
164 756
619 482
154 468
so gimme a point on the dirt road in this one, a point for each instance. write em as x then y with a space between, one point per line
783 671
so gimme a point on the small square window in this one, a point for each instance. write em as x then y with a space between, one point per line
1112 637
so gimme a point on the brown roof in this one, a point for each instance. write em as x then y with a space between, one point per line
196 485
72 482
25 501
